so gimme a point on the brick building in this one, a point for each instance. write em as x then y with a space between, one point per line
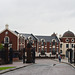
14 40
67 42
49 44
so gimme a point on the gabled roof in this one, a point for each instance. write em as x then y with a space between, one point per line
9 31
28 35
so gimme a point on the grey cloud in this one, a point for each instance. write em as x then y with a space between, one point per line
42 14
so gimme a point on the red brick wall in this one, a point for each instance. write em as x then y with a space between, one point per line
12 38
64 40
48 45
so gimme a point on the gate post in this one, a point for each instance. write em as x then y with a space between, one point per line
24 55
11 56
33 55
29 57
6 53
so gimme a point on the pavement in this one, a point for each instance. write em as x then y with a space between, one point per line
66 62
20 64
17 65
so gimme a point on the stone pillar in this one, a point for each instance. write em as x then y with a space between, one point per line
29 57
11 56
24 55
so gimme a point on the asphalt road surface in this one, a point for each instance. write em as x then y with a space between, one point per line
44 67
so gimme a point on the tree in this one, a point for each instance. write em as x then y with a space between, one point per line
1 47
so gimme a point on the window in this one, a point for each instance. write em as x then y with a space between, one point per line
21 47
50 49
72 40
42 42
45 49
57 49
72 45
20 40
60 51
57 43
53 51
45 43
39 49
6 32
39 43
42 49
67 45
50 44
6 39
67 40
60 45
53 42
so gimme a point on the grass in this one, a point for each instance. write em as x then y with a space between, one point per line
4 68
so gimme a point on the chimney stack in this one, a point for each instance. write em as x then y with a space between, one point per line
6 26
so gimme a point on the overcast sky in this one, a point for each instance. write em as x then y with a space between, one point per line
42 17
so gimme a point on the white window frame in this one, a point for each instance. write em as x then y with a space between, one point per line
67 40
8 39
72 40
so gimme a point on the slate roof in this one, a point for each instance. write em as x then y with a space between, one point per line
29 35
38 38
68 34
47 38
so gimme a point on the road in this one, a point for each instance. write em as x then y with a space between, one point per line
44 67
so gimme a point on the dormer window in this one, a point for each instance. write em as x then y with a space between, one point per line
42 41
29 38
53 42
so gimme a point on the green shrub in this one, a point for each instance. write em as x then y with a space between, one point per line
1 47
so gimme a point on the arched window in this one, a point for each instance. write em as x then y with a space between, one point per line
50 49
42 42
53 42
60 45
53 51
6 39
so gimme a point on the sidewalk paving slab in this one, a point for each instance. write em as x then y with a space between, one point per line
17 65
66 62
